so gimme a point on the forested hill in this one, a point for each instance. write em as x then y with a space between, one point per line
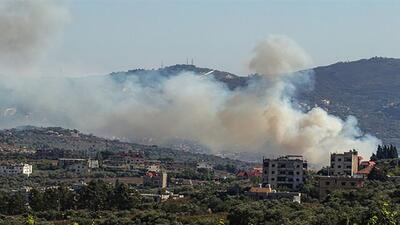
368 89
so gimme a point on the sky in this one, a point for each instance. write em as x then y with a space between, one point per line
103 36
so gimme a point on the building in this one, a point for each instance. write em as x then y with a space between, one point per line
328 184
78 165
287 172
365 168
204 165
267 193
344 164
16 169
155 179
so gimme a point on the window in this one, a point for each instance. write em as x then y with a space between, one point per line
298 166
343 183
327 183
339 166
353 184
297 179
273 165
272 179
272 172
281 178
298 173
339 159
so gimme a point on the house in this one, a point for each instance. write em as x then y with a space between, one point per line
16 169
365 168
242 174
328 184
80 166
130 160
344 164
287 172
155 179
267 193
256 172
204 165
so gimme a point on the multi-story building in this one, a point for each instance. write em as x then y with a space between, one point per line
344 164
284 172
15 169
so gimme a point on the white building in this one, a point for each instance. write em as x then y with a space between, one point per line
15 169
204 165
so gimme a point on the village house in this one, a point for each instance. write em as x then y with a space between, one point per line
328 184
267 193
125 161
155 179
79 166
204 165
15 169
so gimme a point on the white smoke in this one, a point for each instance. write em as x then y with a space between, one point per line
262 117
26 30
278 55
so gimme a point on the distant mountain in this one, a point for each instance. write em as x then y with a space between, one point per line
230 79
368 89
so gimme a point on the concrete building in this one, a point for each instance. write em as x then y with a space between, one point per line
328 184
155 179
15 169
78 165
344 164
267 193
204 165
285 172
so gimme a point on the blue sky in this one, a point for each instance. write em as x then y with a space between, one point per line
114 35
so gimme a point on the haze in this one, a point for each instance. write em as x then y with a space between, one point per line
105 36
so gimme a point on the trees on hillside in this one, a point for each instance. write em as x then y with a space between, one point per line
385 152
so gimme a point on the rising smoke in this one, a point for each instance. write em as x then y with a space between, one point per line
262 117
26 29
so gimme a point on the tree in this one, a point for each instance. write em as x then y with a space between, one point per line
121 197
377 174
95 196
387 215
36 200
16 204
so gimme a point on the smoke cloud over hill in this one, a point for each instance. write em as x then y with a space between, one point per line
262 117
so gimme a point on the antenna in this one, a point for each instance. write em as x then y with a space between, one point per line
187 61
192 62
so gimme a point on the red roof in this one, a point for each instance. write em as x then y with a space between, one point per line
242 173
151 174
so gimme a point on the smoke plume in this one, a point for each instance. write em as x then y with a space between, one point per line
262 117
27 28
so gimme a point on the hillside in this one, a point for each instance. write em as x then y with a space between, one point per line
72 143
367 89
